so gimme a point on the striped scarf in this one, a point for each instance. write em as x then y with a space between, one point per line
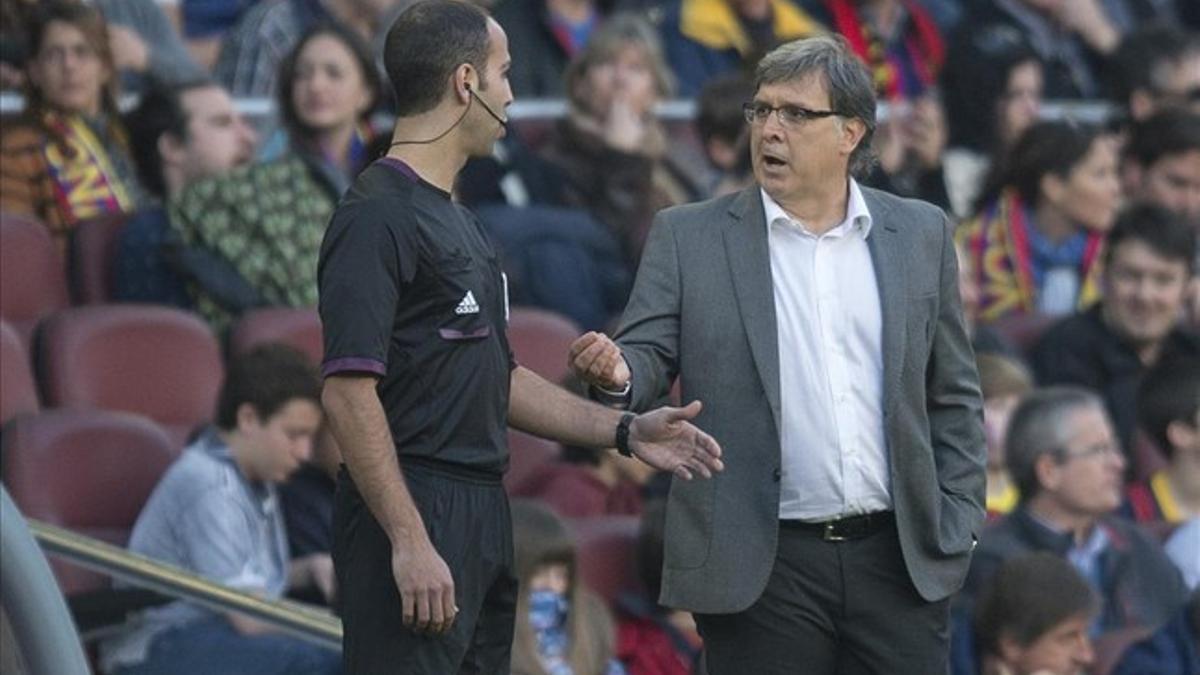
86 184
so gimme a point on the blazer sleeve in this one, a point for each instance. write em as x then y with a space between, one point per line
649 332
955 409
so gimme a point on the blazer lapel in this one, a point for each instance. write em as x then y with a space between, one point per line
745 236
887 254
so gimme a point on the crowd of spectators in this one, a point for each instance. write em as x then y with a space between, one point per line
1062 137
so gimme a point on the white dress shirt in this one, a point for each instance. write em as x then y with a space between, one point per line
830 332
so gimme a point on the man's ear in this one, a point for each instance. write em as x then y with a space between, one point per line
247 417
853 130
170 148
1045 467
463 76
1053 186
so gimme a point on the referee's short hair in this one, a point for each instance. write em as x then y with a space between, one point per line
424 46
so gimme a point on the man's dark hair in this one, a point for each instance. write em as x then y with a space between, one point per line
268 378
1048 147
1169 393
1028 597
1167 233
159 112
1172 131
719 108
1142 58
287 71
424 46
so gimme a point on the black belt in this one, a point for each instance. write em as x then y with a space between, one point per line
843 529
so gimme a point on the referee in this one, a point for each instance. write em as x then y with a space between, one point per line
420 383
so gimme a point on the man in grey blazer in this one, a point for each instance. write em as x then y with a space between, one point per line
820 323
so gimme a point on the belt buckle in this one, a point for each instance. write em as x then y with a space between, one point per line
830 534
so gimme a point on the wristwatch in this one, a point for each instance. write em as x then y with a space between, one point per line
623 434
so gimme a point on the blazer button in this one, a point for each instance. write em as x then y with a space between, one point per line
776 474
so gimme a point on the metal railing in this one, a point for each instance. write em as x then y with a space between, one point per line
303 621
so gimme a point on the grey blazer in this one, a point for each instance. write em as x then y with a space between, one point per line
703 308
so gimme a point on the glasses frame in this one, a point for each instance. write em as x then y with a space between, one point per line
791 115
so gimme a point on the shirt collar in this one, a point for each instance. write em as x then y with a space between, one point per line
858 215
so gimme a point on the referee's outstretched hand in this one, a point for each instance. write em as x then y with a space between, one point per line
426 587
666 440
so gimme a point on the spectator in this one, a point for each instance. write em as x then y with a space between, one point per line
145 45
205 22
652 639
1072 39
561 627
1036 237
614 154
1064 458
1003 381
723 132
250 56
543 37
1033 618
180 135
992 86
328 87
1162 162
1173 650
707 38
307 499
984 338
1156 66
67 158
1168 410
1108 348
216 513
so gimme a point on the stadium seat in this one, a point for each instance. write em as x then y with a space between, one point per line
93 250
527 455
33 280
160 362
540 341
606 555
298 327
18 393
87 471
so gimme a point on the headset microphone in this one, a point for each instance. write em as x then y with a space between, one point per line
502 120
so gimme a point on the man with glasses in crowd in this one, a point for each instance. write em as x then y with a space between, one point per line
1063 454
846 394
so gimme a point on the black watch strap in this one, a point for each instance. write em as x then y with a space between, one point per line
623 434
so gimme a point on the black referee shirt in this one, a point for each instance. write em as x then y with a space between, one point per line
411 290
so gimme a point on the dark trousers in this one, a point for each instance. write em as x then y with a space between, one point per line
470 526
844 608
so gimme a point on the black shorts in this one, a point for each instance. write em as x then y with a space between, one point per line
470 526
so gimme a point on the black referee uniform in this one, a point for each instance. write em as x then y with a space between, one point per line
411 290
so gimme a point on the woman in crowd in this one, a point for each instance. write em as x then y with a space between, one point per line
328 87
1035 242
614 154
561 628
992 87
67 159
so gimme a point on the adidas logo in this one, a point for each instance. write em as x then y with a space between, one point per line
467 305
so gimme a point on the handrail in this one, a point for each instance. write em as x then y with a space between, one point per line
305 622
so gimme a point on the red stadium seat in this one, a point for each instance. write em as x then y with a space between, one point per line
93 250
18 393
33 280
526 456
540 341
87 471
160 362
298 327
606 555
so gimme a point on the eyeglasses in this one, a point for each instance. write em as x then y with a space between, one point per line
1106 449
757 112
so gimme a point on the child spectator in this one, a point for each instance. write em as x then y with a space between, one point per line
216 513
561 628
1003 381
1168 409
